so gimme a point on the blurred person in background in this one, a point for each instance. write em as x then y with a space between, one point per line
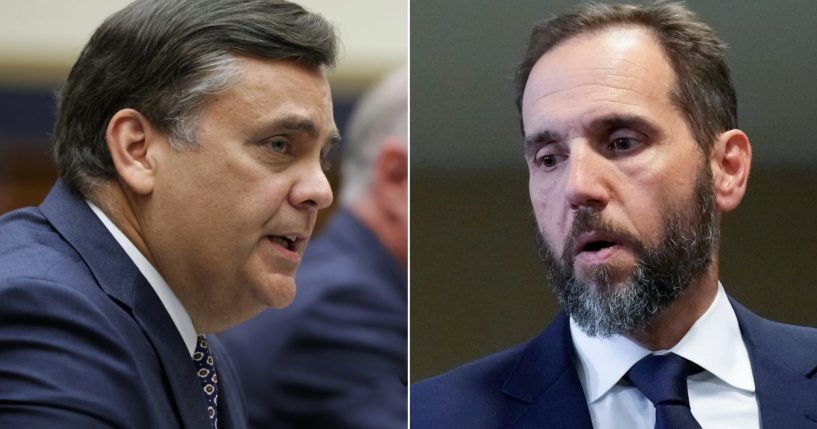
336 358
190 141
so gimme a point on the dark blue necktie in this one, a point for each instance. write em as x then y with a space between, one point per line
663 380
206 370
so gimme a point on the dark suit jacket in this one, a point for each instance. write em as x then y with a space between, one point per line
84 340
536 385
336 357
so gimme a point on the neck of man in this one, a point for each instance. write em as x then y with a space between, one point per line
126 212
121 208
206 310
670 326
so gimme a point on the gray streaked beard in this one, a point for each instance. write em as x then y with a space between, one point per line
662 274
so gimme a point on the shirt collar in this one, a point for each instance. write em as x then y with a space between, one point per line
714 342
171 303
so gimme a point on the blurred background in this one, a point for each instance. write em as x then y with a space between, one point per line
476 283
41 39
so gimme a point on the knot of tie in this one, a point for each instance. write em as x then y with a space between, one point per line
206 371
663 380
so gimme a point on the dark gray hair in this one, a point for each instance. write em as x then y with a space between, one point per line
165 59
703 91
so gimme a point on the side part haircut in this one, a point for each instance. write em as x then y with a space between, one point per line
381 113
165 59
703 91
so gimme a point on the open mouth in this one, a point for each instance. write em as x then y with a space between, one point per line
595 246
287 242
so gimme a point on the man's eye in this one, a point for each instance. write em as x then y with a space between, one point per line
326 157
279 145
326 163
622 144
549 161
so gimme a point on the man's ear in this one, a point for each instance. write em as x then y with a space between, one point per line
391 177
134 144
731 160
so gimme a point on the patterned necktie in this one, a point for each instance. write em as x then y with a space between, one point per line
663 380
206 370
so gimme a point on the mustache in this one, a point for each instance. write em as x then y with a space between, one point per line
594 221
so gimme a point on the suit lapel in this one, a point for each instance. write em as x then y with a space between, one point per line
783 368
178 365
546 381
122 281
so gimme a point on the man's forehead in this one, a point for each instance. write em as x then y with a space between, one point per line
624 64
261 73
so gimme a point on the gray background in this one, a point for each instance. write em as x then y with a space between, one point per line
476 283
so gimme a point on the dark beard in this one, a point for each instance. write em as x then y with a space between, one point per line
662 274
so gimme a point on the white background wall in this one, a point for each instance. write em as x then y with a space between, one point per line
40 39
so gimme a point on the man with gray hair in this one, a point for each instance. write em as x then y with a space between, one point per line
190 141
633 153
337 356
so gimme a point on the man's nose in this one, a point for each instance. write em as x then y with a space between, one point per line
312 190
586 186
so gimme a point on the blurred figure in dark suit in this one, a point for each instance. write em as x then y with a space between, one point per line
336 358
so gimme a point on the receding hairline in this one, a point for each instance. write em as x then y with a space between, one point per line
646 30
240 61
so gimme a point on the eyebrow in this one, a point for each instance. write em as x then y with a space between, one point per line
534 141
635 122
541 137
307 126
599 124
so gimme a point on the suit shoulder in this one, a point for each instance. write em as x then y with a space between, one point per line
799 333
796 329
30 247
61 351
464 392
487 370
772 334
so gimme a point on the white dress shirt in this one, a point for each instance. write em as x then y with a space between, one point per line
722 396
171 303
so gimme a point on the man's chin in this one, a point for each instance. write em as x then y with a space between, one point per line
277 290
